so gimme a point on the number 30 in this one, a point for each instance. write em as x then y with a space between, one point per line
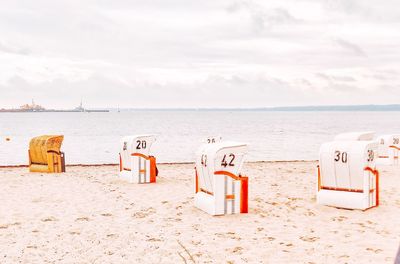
341 156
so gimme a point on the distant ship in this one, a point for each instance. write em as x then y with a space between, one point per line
38 108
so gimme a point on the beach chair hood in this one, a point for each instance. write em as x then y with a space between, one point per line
357 136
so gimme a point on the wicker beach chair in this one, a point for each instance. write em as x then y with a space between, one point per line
45 154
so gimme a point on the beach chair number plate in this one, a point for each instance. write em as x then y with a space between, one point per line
204 160
371 155
396 141
231 158
141 144
341 156
210 140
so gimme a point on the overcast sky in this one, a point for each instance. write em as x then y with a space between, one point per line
209 53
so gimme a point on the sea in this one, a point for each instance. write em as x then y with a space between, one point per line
94 138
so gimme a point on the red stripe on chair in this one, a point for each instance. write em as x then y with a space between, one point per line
376 173
244 195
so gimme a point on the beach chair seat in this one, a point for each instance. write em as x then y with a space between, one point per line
357 136
388 149
219 186
135 163
45 154
347 177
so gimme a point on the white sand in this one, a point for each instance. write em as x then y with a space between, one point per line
88 215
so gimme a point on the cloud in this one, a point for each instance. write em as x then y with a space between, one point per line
353 48
335 78
263 18
13 49
190 53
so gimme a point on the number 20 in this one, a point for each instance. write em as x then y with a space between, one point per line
141 144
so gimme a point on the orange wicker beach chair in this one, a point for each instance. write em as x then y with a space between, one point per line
45 154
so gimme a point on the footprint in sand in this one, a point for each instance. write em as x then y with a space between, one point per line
339 218
195 243
309 239
32 247
237 250
153 239
106 214
74 232
374 250
309 213
144 213
49 219
83 218
231 235
257 199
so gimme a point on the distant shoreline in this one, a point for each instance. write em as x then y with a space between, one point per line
52 111
161 163
316 108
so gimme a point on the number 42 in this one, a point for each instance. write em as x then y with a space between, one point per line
224 162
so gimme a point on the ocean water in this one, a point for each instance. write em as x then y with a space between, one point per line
93 138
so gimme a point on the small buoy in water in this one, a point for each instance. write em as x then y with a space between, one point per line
8 139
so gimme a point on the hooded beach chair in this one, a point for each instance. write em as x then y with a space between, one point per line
135 163
388 149
219 187
45 154
347 177
357 136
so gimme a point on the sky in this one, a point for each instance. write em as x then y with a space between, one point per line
209 53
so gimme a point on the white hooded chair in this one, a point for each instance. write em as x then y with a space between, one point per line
388 149
347 177
357 136
219 187
135 163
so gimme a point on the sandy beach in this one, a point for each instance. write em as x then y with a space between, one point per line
88 215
